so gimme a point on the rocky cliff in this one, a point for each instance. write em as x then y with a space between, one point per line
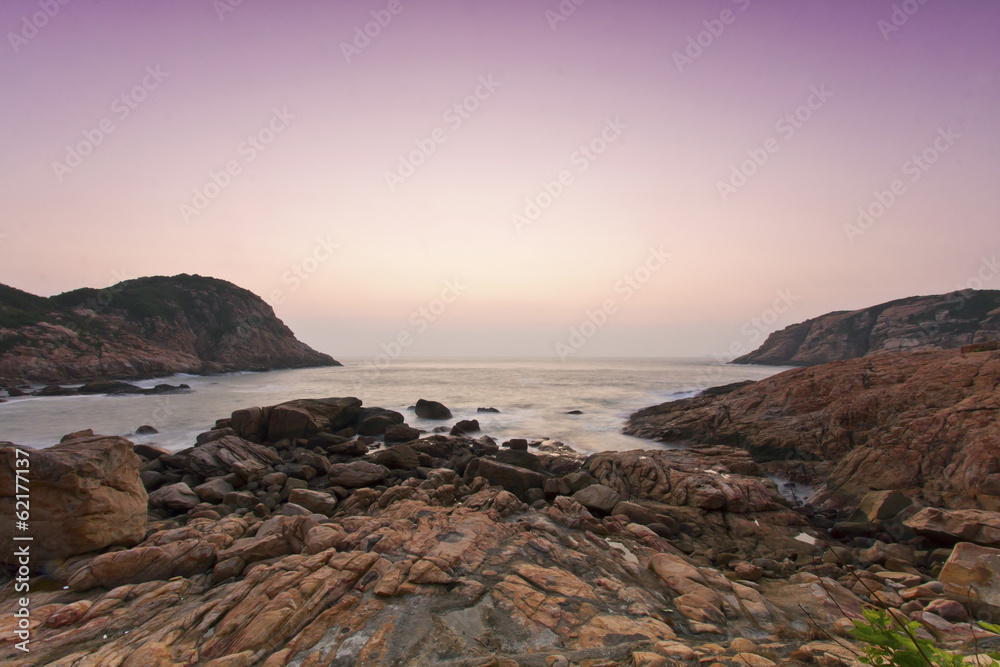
923 423
935 322
146 327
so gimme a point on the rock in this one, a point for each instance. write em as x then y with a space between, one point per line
574 412
949 610
374 421
431 410
465 426
150 452
213 435
400 457
512 478
748 571
597 498
356 474
517 444
477 409
55 390
941 321
183 558
227 455
177 497
401 433
882 552
214 490
307 417
972 576
838 426
314 501
85 495
974 526
881 505
145 429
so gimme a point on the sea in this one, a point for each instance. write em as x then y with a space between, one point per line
533 396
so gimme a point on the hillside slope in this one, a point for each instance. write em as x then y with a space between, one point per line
145 327
934 322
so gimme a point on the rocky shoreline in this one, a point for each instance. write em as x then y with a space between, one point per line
319 531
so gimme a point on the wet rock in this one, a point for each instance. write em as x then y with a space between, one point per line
401 433
465 426
375 421
146 429
487 410
307 417
431 410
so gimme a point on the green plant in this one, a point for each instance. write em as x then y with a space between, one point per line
891 643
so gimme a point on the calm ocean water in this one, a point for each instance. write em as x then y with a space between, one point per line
532 395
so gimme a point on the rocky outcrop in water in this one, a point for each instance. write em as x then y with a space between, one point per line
932 322
283 538
148 327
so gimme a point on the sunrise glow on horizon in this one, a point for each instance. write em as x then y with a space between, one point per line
672 173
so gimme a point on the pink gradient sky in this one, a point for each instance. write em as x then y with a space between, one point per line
656 186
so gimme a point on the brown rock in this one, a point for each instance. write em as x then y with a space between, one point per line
356 474
958 526
85 495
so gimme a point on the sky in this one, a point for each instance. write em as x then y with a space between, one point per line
487 178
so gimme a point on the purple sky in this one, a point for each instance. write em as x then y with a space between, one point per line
319 217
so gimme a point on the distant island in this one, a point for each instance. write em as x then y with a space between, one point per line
147 327
942 321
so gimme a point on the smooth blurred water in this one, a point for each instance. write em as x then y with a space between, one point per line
532 395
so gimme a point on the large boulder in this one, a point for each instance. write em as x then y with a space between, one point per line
356 474
85 495
374 421
597 498
177 497
307 417
972 576
401 433
512 478
432 410
957 525
225 455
